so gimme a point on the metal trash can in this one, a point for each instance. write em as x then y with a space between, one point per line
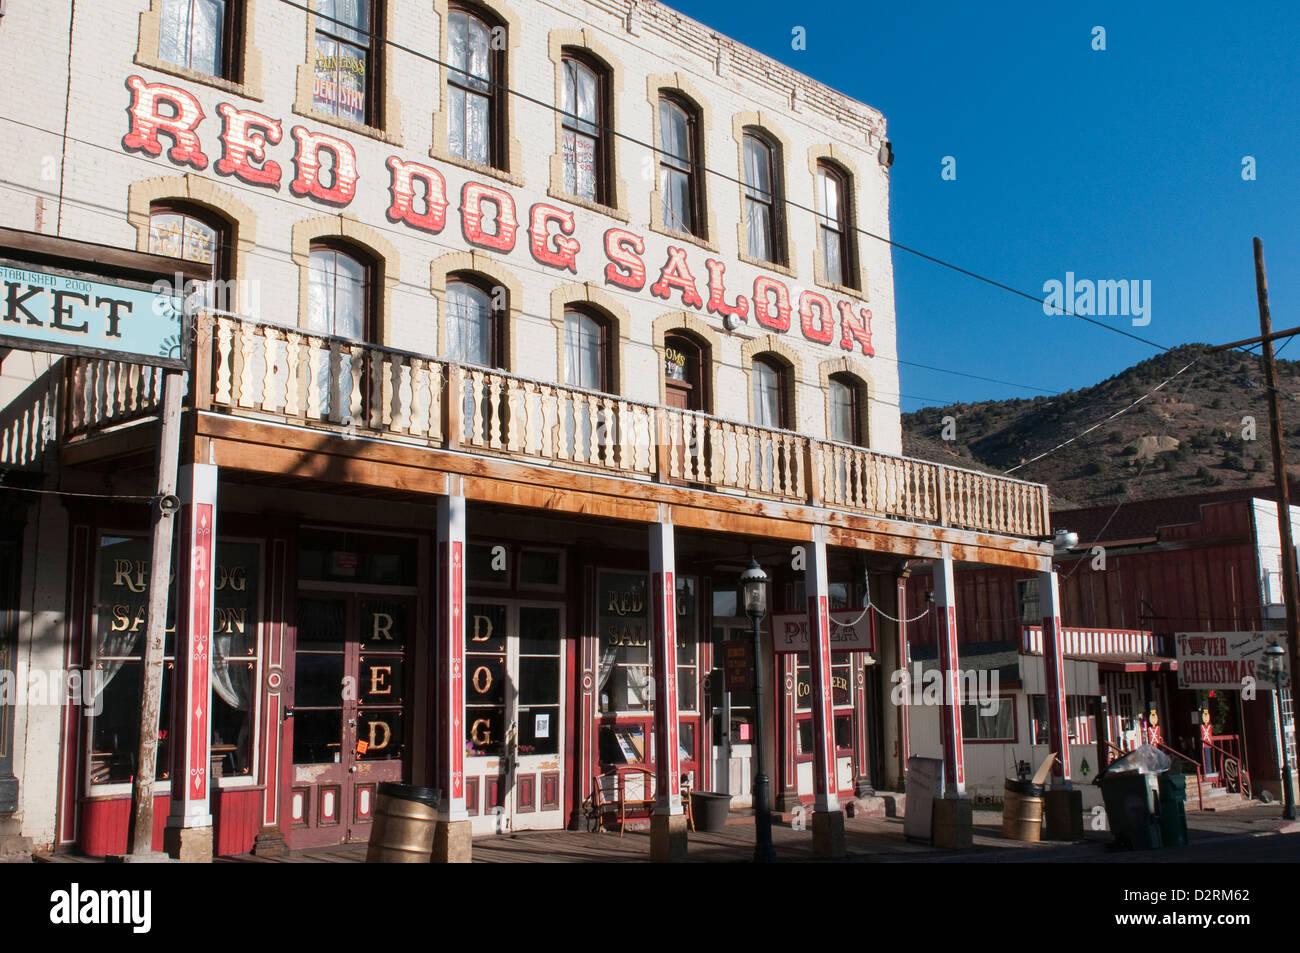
1173 813
1129 809
710 810
403 829
1022 810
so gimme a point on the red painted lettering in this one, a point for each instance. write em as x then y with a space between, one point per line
147 122
675 274
402 186
624 250
816 307
307 160
763 288
244 138
718 291
564 255
472 198
854 330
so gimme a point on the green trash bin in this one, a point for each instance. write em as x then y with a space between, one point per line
1128 810
1173 813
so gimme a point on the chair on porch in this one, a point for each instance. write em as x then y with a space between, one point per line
622 793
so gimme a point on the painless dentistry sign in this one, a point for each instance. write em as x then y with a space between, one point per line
167 121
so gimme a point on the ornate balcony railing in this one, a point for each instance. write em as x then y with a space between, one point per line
249 369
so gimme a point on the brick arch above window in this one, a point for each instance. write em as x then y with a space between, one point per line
665 325
584 44
345 232
601 305
491 274
763 123
201 194
773 348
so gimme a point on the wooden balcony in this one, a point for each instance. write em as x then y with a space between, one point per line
260 372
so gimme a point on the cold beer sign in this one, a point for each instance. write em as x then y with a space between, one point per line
65 310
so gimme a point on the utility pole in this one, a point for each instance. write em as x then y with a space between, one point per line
1290 582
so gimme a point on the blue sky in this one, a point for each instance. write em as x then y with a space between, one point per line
1116 164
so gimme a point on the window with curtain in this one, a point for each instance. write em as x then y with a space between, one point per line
200 35
582 117
472 324
844 395
585 363
769 392
761 207
678 166
473 101
348 50
338 294
834 226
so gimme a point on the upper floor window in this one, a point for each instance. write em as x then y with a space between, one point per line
679 169
179 231
474 86
845 396
835 226
473 323
762 208
584 120
586 362
201 35
339 293
349 48
769 381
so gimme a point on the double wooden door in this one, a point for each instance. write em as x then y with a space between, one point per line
351 711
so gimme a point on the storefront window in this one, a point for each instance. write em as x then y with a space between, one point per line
235 655
485 688
624 682
339 556
539 680
988 723
120 622
687 648
841 681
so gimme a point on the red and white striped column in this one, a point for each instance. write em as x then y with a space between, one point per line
1049 602
904 729
452 837
828 821
668 825
188 834
945 605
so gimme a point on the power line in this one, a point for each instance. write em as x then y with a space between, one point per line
722 175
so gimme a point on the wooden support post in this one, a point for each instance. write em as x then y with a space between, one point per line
1049 602
945 607
828 820
164 511
668 825
452 834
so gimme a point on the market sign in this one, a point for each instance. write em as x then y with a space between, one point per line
44 309
1224 660
850 632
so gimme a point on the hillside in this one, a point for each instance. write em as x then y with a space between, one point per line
1190 436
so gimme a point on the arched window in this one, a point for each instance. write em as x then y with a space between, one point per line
763 210
475 104
195 234
339 293
586 351
835 230
584 117
474 320
679 161
770 382
846 397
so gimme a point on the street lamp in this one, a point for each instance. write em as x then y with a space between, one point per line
1274 657
753 584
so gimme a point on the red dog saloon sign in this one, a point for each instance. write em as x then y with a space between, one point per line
167 121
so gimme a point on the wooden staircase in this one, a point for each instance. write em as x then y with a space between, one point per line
1214 796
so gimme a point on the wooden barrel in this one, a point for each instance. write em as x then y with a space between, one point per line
404 824
1022 811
